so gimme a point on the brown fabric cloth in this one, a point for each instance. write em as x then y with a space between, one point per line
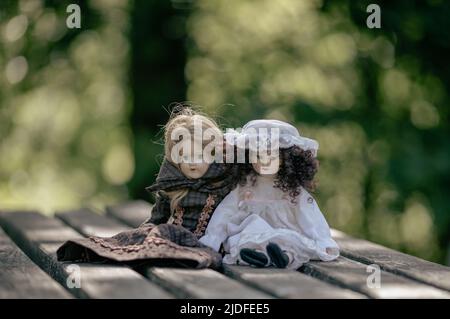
152 245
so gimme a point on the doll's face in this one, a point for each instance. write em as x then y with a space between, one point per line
267 164
194 170
192 165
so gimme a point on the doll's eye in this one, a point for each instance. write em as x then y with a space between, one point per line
265 159
186 159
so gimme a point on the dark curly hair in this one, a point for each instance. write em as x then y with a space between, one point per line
297 169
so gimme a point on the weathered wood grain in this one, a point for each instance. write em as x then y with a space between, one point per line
196 282
354 275
285 283
21 278
39 237
89 223
203 283
132 213
393 261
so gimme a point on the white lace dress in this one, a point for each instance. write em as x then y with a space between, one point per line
252 216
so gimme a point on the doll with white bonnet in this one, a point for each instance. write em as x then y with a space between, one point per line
270 218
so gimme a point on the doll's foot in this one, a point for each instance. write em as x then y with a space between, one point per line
277 256
253 257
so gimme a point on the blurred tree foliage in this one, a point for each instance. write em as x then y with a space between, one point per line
376 99
64 105
81 110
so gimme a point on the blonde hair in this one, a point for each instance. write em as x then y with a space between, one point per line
185 117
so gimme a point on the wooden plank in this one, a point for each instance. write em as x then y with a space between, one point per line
89 223
291 284
131 213
190 283
393 261
39 237
20 278
202 283
354 275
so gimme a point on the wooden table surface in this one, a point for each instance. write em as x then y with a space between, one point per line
29 268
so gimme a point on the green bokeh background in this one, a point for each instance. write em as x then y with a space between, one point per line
81 110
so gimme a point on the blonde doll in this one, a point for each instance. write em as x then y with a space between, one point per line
188 189
190 185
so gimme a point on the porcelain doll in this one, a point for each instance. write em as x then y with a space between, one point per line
270 218
188 191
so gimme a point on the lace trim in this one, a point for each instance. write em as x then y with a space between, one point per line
133 247
178 216
205 215
203 219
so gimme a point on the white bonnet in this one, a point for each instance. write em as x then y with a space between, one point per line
262 132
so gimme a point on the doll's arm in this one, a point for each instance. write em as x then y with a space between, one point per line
314 225
217 230
161 210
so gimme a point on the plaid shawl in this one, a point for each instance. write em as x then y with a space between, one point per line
219 180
